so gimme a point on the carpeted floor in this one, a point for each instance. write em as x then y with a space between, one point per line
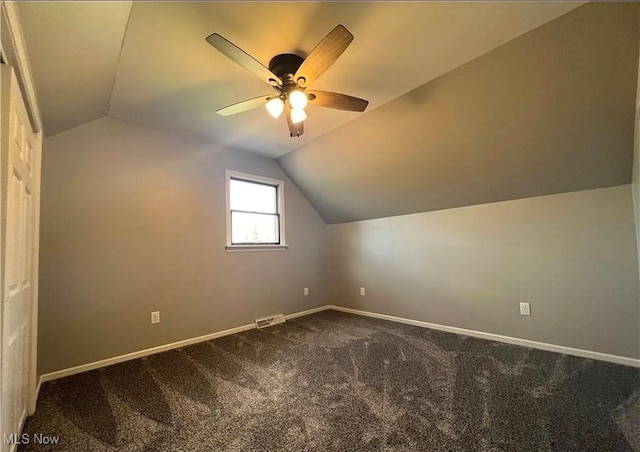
334 381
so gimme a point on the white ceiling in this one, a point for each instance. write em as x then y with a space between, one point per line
167 76
73 52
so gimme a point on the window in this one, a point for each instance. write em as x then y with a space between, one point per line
255 212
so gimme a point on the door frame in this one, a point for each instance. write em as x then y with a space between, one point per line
14 53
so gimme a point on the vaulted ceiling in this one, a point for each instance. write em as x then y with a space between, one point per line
469 102
148 62
549 112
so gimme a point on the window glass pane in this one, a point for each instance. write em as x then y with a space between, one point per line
254 228
252 197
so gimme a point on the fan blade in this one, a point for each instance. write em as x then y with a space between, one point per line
245 105
337 101
295 129
243 59
323 55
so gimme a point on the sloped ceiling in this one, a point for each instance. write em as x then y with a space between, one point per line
470 102
167 76
549 112
73 48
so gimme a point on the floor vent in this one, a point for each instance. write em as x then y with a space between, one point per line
270 321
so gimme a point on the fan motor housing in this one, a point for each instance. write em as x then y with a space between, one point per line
285 65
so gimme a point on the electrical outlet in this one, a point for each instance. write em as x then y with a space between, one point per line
155 317
306 291
362 291
525 309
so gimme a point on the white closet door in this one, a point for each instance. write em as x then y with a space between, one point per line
20 200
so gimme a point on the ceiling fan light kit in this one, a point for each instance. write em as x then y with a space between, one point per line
275 106
297 99
290 75
298 115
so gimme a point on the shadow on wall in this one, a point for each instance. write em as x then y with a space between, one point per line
133 221
471 267
402 267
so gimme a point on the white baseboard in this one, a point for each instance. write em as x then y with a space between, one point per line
499 338
161 348
139 354
451 329
307 312
34 402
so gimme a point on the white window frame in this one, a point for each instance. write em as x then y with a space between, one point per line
280 200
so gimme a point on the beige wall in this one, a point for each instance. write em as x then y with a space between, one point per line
133 218
635 183
5 97
572 256
133 221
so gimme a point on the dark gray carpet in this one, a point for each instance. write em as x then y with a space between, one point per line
334 381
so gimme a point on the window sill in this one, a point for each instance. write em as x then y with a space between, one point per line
233 248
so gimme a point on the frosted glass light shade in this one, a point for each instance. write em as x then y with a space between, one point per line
275 107
298 115
297 99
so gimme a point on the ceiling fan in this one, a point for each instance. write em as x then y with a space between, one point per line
290 75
